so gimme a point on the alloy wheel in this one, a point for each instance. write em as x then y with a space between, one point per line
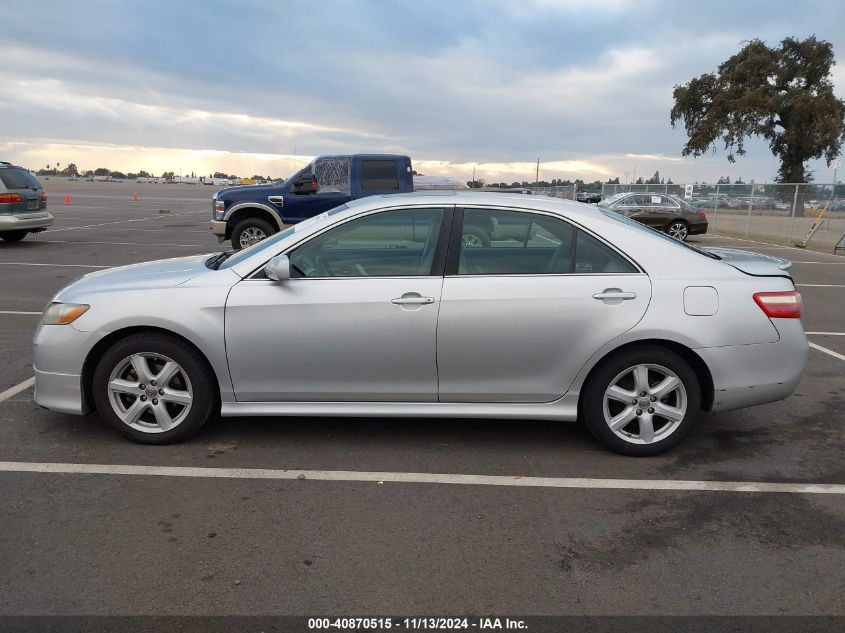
150 392
251 235
645 404
678 230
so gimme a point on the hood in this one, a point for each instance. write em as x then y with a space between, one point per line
249 192
157 274
752 263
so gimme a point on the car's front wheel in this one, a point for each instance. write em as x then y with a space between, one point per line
12 236
154 388
641 401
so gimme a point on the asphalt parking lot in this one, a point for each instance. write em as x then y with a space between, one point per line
144 542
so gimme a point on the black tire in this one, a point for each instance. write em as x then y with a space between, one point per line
682 228
13 236
474 236
192 363
250 224
592 404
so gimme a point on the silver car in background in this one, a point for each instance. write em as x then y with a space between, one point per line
444 304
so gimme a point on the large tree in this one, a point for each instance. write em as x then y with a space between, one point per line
782 94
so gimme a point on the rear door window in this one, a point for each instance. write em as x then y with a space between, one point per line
18 179
379 174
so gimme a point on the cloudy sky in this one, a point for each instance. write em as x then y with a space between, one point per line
257 87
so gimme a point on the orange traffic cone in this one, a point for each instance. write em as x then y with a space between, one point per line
135 197
67 198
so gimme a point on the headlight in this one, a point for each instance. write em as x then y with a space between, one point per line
63 313
218 209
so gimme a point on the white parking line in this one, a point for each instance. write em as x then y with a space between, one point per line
792 248
827 333
151 217
123 243
17 312
57 265
795 261
11 391
821 285
420 478
827 351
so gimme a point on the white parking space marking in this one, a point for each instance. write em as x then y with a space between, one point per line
57 265
12 391
150 217
123 243
792 248
827 351
794 261
17 312
420 478
821 285
826 333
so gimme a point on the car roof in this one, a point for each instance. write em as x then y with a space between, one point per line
476 198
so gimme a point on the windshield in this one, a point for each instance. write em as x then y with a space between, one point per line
271 241
18 179
647 229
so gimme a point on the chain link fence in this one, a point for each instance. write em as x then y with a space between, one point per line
778 212
567 192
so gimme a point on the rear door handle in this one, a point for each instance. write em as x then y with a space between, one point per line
611 294
412 300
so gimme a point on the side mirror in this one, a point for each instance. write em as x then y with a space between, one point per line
278 268
305 184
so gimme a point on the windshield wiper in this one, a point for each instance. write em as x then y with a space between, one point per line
214 262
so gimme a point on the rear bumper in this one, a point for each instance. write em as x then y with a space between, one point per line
748 375
25 221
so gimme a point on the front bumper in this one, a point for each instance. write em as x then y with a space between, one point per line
25 221
58 356
748 375
218 227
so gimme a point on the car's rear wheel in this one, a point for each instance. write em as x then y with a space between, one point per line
250 231
154 388
12 236
641 401
679 230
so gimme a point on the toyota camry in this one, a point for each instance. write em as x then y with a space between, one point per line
445 304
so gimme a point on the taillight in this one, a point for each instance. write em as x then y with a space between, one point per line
780 305
702 214
43 196
9 198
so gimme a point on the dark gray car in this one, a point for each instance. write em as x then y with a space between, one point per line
23 203
666 213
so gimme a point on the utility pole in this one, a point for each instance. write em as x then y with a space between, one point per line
537 174
473 176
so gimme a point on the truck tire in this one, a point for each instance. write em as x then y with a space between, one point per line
250 231
475 237
12 236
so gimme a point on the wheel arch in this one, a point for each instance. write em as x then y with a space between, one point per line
98 351
251 210
702 371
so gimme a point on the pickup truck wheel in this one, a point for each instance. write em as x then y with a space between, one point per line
12 236
475 237
250 231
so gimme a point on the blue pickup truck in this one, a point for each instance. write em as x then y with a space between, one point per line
247 215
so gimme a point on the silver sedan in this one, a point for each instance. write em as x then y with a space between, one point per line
448 304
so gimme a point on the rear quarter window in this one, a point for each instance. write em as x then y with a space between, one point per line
379 174
18 179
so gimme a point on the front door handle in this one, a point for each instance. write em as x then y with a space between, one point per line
614 294
412 299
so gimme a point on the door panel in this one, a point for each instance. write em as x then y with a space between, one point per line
524 339
333 339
